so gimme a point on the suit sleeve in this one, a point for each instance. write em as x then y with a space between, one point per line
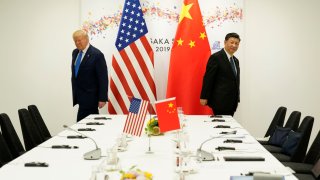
238 79
102 75
208 79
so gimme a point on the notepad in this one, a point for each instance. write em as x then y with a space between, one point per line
241 177
262 176
243 158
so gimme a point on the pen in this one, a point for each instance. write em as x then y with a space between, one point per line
36 164
86 129
94 123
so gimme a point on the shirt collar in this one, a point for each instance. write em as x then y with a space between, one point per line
229 56
86 49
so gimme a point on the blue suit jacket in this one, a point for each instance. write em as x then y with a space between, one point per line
91 84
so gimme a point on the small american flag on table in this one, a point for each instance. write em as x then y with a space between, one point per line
136 117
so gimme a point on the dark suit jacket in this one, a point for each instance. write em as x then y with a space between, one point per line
220 85
91 84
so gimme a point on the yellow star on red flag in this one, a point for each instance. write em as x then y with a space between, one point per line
192 44
180 41
202 35
185 12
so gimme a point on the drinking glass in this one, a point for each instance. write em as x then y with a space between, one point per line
112 160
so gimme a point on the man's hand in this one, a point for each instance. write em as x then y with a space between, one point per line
203 102
101 104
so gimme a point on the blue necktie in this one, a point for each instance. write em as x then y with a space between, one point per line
78 62
233 66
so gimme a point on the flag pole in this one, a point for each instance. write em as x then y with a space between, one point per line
149 151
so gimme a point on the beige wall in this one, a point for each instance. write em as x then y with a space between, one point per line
281 65
35 52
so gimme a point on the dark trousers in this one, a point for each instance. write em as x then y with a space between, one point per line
223 113
84 112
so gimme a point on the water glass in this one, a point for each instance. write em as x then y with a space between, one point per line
94 172
180 113
112 157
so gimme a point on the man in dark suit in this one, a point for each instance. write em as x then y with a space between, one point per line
221 81
89 76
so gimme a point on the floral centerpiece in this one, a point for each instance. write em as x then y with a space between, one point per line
135 174
152 127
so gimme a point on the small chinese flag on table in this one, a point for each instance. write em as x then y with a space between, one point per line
167 114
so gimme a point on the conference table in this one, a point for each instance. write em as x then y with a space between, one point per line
158 155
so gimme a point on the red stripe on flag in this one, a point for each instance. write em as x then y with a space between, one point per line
134 75
144 68
111 109
144 113
121 77
134 122
123 84
118 97
148 48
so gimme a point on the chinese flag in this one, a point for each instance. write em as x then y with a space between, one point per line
189 55
167 114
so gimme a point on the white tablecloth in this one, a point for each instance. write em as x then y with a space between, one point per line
69 163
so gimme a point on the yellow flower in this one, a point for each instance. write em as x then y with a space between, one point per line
150 121
129 176
133 173
148 175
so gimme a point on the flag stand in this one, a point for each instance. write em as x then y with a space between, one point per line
149 151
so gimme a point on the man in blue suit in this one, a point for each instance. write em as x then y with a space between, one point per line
221 81
89 76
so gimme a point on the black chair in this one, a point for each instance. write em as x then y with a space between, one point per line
309 161
5 155
292 123
313 175
304 176
277 120
31 134
10 135
39 122
298 155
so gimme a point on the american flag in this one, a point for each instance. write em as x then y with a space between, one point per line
132 73
136 117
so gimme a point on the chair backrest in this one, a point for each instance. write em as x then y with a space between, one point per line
314 151
5 155
305 129
31 134
293 121
39 122
10 135
277 120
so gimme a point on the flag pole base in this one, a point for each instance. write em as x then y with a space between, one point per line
149 148
149 152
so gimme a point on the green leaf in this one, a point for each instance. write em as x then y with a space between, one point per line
132 167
